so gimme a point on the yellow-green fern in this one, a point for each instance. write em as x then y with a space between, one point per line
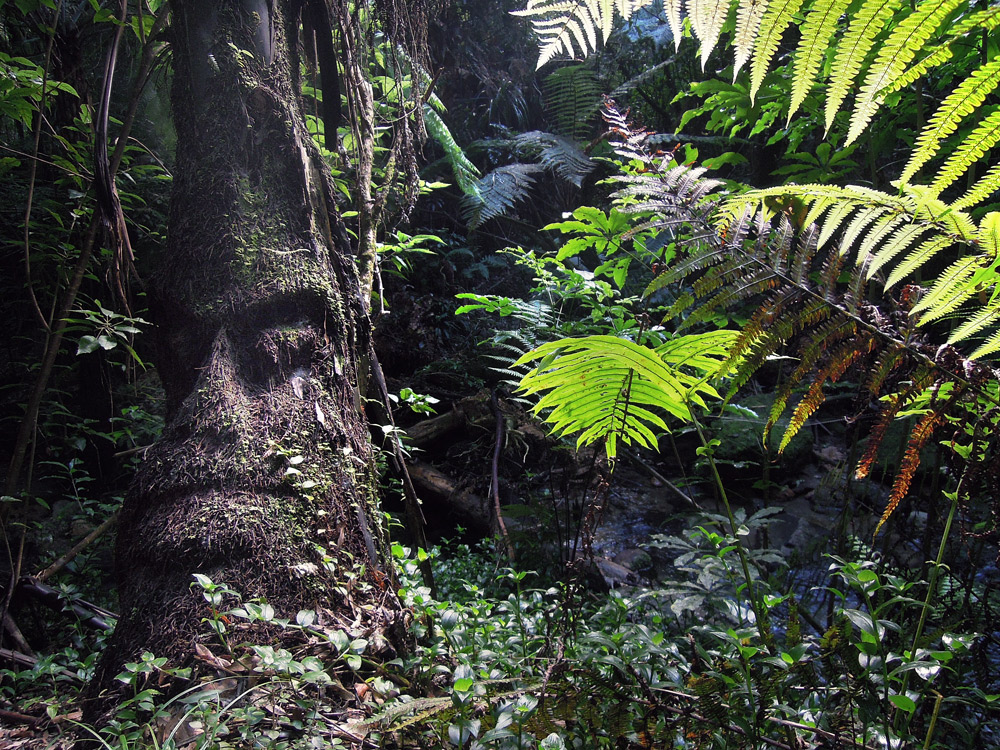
966 98
903 43
817 30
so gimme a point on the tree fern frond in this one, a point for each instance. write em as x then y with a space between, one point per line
988 347
572 98
777 16
559 155
989 315
817 30
834 219
748 17
873 239
919 437
852 50
561 24
672 10
898 243
865 218
916 259
949 291
903 43
707 18
984 137
985 186
966 97
497 192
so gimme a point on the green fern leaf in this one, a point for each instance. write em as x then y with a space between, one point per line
903 43
852 50
916 259
748 17
572 97
899 242
564 26
772 25
672 10
707 17
985 186
974 325
936 57
859 224
499 191
879 231
607 388
950 290
990 346
972 149
966 97
818 28
834 219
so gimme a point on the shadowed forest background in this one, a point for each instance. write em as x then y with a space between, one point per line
481 374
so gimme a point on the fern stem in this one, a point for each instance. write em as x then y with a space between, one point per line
931 589
708 452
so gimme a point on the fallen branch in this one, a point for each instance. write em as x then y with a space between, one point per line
77 549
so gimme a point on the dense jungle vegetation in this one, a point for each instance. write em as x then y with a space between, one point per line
491 374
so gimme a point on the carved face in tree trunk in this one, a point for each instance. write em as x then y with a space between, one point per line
263 477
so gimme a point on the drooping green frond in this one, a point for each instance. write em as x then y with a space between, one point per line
775 20
707 17
559 155
610 389
572 97
748 17
464 170
972 149
565 26
817 30
985 186
949 291
916 259
904 238
903 43
497 192
966 97
672 10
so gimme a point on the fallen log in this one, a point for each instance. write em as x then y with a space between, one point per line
472 509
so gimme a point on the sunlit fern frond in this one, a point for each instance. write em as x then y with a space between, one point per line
984 137
559 155
817 31
775 20
707 18
610 389
853 50
748 18
498 191
572 97
899 48
961 102
565 27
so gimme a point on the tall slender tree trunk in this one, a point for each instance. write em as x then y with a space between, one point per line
264 476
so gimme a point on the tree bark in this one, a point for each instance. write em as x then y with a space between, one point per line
264 476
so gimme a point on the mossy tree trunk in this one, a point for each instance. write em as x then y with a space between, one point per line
264 476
